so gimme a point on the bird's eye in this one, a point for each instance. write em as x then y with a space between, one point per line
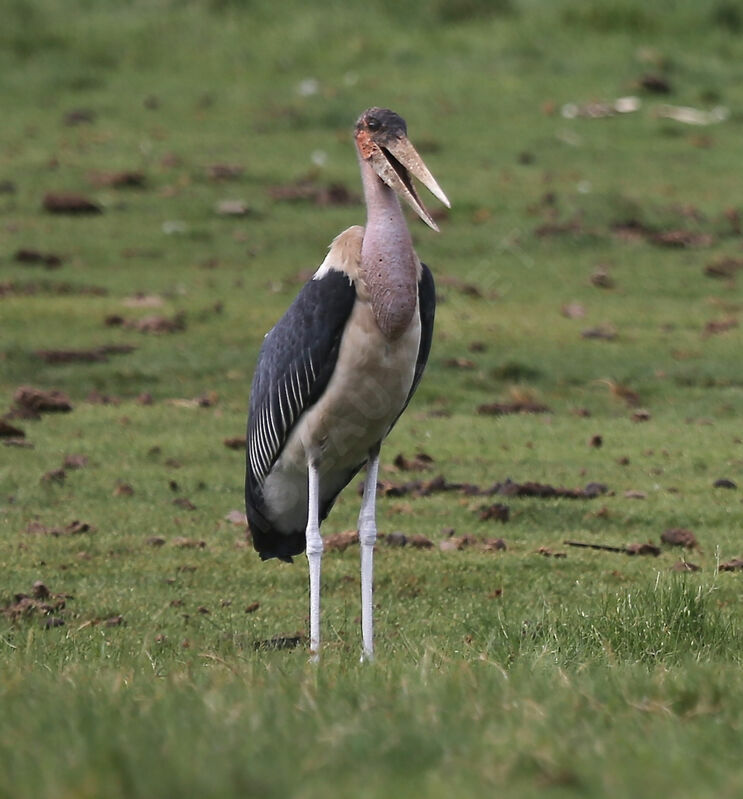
373 123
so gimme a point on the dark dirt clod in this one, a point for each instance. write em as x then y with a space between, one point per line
338 542
71 356
37 401
76 527
724 267
418 463
596 441
605 332
207 400
238 442
497 512
419 488
252 607
679 537
734 565
518 406
64 203
654 83
279 642
643 549
420 541
93 355
681 238
396 539
184 502
532 489
123 490
155 541
41 602
49 260
40 591
723 482
8 431
641 415
495 545
548 553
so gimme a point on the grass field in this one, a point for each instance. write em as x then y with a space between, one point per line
591 263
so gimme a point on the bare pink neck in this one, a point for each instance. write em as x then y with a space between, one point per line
388 261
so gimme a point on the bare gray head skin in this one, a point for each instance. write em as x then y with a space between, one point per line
382 141
382 121
389 266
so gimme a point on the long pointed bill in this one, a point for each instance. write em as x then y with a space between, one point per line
392 163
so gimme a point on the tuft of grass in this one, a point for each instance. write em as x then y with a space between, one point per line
670 622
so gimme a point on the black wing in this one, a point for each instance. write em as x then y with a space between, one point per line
294 367
427 306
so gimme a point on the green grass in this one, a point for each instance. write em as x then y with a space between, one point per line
509 673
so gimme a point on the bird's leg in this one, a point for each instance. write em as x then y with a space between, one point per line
314 547
367 537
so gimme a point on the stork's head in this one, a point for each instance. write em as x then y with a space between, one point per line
382 140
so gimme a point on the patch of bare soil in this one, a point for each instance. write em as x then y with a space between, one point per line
49 260
70 203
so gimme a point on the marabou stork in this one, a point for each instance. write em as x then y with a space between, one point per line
337 370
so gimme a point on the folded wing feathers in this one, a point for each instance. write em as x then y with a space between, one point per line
275 419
